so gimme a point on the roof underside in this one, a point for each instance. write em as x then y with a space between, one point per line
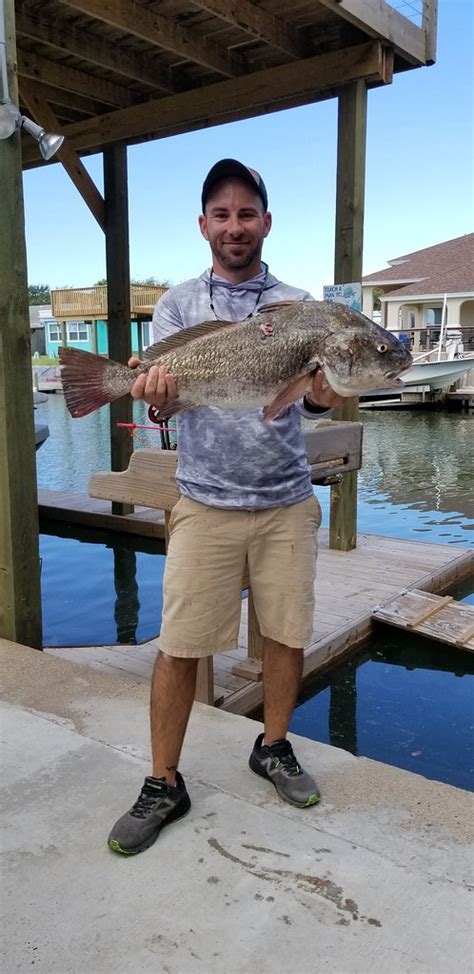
118 70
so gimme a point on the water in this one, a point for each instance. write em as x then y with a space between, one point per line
403 700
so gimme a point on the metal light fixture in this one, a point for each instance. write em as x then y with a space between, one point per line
10 117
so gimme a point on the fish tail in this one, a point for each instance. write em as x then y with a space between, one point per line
90 381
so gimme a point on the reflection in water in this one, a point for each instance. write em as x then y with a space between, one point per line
127 603
342 721
96 592
403 700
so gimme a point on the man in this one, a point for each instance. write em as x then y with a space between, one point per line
246 496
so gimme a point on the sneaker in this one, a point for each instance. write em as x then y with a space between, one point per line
277 762
157 805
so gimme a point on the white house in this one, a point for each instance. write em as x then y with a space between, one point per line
414 288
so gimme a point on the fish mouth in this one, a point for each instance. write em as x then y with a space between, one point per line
393 378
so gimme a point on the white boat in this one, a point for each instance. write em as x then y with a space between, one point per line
437 375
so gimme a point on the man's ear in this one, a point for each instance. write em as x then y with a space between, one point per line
203 226
267 223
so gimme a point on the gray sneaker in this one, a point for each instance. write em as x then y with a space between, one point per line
157 805
277 762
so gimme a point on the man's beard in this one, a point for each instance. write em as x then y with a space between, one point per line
234 261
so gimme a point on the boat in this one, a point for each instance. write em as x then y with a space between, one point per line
41 434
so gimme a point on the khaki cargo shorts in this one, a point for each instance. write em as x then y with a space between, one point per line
208 551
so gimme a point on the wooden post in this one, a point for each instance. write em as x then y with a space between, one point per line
20 595
118 298
351 138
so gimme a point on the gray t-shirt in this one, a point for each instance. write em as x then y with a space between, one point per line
231 458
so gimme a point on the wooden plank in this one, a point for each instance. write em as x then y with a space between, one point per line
75 169
94 50
259 23
262 92
205 681
67 99
133 18
118 299
72 79
20 597
351 142
429 612
380 19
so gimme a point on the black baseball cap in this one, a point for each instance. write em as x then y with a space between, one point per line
227 168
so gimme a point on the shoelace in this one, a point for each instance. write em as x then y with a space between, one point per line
284 752
147 799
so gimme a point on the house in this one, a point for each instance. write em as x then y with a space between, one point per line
415 288
80 318
40 314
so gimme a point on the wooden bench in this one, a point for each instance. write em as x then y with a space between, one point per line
333 448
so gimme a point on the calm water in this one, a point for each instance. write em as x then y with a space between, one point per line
402 700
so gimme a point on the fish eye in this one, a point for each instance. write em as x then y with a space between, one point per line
382 347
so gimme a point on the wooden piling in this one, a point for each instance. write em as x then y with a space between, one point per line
20 597
351 140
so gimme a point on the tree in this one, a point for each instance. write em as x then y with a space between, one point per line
151 281
39 294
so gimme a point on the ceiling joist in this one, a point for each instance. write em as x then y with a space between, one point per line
94 50
134 19
260 24
71 79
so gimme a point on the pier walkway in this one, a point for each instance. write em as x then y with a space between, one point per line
373 879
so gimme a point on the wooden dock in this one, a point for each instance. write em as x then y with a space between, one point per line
349 586
439 617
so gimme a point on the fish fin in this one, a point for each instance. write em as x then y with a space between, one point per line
174 407
184 336
87 380
289 393
277 306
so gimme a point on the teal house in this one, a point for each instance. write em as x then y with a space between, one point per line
79 318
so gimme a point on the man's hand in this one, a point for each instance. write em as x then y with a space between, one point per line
322 395
157 387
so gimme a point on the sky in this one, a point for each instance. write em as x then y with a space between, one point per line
419 181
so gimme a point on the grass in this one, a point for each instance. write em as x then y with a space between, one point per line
45 360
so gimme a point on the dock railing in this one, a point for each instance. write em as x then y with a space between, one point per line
333 449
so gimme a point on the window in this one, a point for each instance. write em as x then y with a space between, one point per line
77 331
411 319
54 331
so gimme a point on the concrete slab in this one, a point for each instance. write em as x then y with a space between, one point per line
374 879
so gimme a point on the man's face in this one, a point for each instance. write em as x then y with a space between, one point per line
235 225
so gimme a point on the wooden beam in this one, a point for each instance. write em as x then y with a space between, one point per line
379 19
140 21
67 99
351 141
62 76
259 23
273 89
95 50
20 594
118 299
44 116
430 22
